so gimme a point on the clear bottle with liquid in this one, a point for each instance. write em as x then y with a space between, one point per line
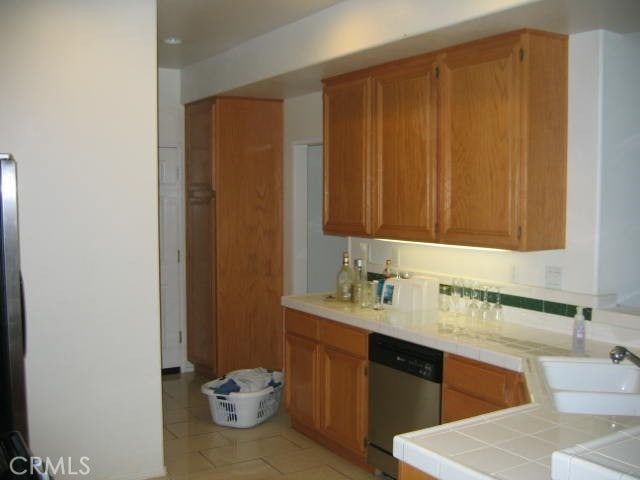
357 287
344 280
579 333
388 270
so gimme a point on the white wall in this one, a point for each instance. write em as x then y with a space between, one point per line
78 111
335 32
579 261
324 252
302 126
619 260
170 109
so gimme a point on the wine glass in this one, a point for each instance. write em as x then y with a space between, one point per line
456 294
467 295
473 311
444 307
497 315
485 313
456 305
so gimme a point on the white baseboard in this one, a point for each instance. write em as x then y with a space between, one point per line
159 472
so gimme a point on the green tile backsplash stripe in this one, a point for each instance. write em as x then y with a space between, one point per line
534 304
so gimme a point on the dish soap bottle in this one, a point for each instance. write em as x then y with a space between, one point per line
344 280
578 333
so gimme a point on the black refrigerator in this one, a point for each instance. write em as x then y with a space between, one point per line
16 460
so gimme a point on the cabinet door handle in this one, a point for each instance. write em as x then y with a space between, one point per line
201 194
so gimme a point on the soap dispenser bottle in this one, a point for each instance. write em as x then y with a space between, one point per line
578 333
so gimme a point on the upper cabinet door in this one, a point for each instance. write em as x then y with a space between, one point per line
347 163
503 142
480 122
404 159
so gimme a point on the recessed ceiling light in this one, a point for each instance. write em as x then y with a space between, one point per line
172 40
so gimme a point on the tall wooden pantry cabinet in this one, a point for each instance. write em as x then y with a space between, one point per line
234 234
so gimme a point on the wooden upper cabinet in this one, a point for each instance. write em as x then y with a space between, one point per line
347 162
404 158
502 142
468 146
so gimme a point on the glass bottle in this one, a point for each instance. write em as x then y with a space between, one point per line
344 280
387 273
357 287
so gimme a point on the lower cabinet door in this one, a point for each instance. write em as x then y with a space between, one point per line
344 388
457 405
407 472
301 370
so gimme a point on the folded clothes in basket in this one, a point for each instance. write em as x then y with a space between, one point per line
245 381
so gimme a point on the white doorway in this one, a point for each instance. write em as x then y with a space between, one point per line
316 257
172 294
324 252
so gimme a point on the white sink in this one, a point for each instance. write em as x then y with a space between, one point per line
592 385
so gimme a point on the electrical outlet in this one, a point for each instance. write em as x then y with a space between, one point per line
553 277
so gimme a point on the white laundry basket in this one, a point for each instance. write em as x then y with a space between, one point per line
243 410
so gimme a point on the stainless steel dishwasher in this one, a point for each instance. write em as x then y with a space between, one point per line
405 383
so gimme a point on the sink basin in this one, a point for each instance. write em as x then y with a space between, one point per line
592 385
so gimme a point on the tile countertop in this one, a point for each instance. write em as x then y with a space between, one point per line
515 443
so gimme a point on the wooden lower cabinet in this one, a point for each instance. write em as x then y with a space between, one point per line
301 370
473 388
326 386
344 398
407 472
326 383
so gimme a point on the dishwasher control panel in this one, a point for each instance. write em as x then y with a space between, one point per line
405 356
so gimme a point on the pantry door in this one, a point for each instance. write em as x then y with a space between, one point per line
172 316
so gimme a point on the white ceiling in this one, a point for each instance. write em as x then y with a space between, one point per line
209 27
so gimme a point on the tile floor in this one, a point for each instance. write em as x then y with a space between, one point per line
197 449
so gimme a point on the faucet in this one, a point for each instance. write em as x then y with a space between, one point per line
618 353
